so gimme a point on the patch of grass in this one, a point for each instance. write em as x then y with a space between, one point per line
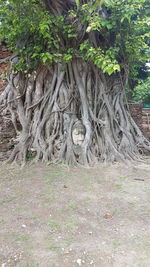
50 180
19 209
33 217
49 198
88 184
112 209
87 198
55 174
60 162
116 244
115 210
118 186
19 237
2 222
54 225
49 193
70 238
3 201
124 177
55 171
100 180
132 203
30 157
108 205
73 206
54 248
23 238
71 225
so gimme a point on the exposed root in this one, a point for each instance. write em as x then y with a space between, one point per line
48 104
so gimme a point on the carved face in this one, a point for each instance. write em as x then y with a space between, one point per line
78 133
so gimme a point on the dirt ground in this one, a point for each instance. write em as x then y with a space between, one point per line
55 216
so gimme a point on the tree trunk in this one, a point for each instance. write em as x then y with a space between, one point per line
71 113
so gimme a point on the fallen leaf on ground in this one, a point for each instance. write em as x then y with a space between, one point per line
108 216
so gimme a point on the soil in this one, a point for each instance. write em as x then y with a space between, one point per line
56 216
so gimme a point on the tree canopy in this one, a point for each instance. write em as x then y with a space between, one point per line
56 31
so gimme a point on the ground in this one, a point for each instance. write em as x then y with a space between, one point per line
56 216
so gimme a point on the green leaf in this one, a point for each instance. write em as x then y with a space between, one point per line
78 3
116 67
67 58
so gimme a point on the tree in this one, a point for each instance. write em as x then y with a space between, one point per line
142 91
69 71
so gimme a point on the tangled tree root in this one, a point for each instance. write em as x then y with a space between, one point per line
73 113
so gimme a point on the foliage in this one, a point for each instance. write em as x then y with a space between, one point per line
105 60
39 37
31 32
142 91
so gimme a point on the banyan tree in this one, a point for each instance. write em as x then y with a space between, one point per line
66 85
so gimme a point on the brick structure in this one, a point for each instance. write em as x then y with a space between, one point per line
4 53
136 112
146 121
142 117
7 132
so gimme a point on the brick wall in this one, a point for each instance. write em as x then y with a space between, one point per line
142 117
146 121
3 66
7 132
136 112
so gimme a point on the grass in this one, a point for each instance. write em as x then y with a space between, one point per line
30 157
71 225
88 184
23 238
50 180
19 209
124 177
132 203
3 201
2 221
49 193
34 217
87 199
19 237
116 244
57 171
73 206
118 186
54 248
56 174
54 225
